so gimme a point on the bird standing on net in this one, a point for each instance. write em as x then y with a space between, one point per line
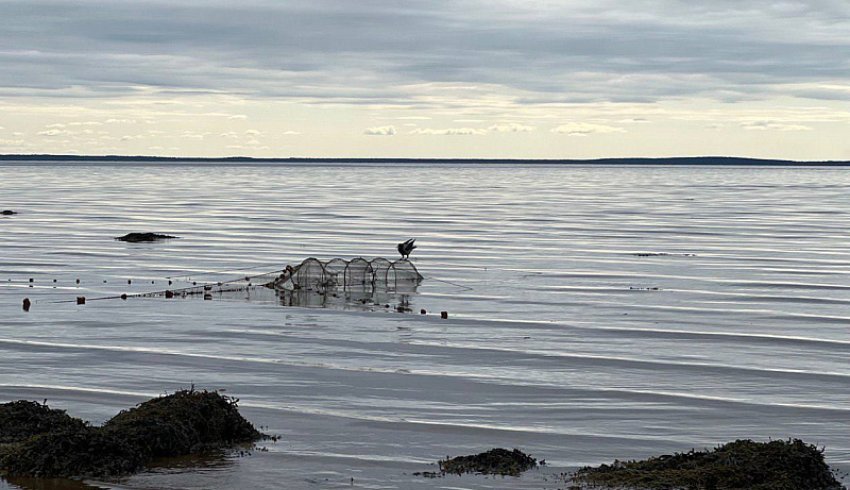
405 248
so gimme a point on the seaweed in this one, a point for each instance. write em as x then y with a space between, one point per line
22 420
143 237
496 461
186 422
742 464
183 423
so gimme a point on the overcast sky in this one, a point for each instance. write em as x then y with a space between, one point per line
435 78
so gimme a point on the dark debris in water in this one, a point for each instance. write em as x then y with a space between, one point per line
493 462
8 212
743 464
144 237
186 422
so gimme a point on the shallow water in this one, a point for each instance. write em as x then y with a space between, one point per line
594 312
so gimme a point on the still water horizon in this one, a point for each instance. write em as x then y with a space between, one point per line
595 312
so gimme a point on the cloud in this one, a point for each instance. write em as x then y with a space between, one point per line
381 131
53 132
238 116
290 133
585 129
449 131
613 51
774 126
254 132
511 128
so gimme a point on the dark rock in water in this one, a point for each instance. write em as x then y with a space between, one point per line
186 422
21 420
8 212
493 462
143 237
774 465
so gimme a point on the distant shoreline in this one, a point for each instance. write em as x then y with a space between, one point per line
706 160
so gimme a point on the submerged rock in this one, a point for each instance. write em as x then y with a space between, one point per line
144 237
493 462
743 464
186 422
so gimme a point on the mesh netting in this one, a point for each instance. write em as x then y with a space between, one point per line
337 283
315 275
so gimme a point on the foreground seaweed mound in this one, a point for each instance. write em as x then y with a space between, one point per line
743 464
184 423
143 237
493 462
21 420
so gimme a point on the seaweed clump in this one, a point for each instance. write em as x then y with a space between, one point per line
186 422
496 461
742 464
143 237
22 419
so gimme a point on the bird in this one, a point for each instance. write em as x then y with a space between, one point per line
406 247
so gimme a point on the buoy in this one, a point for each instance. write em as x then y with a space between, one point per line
31 279
129 281
444 314
423 312
208 297
81 300
169 294
124 296
54 280
169 282
78 281
27 304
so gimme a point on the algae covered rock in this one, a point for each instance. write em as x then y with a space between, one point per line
496 461
87 451
183 423
22 419
743 464
55 445
144 237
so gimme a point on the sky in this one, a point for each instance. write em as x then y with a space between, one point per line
435 78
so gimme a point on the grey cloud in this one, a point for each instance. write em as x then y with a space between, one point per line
370 52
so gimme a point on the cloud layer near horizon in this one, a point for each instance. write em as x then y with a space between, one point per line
353 69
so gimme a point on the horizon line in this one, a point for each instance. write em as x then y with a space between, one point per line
697 158
705 159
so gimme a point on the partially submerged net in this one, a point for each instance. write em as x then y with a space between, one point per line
356 274
336 283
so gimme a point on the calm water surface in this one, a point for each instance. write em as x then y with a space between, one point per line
594 312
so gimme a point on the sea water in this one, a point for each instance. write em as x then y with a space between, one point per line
594 312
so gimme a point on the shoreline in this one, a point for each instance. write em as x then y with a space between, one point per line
665 161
